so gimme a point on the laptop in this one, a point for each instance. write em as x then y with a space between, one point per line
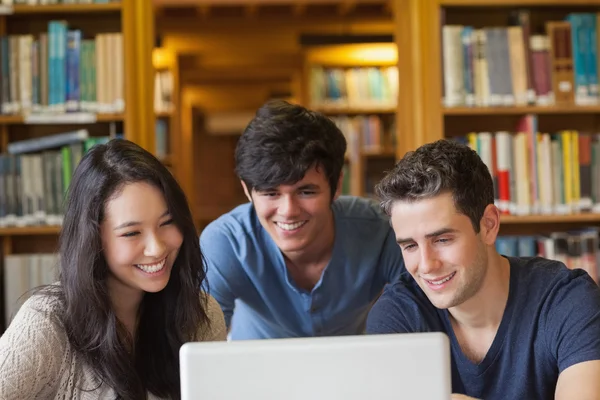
390 366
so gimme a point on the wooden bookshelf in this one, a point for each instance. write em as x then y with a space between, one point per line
346 58
438 121
131 18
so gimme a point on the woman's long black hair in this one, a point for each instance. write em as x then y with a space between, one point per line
167 319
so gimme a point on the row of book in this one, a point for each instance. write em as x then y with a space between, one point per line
507 66
61 71
35 175
370 133
23 272
576 249
541 173
361 87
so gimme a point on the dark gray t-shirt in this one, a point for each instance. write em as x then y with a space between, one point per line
551 321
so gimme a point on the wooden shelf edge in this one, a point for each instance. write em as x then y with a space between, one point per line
517 3
466 111
67 8
163 114
19 119
30 230
550 219
334 110
379 153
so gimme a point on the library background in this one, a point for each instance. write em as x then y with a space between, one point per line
516 80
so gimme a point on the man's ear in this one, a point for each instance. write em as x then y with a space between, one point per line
490 224
246 191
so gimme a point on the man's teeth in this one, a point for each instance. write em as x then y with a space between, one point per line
152 268
290 227
442 280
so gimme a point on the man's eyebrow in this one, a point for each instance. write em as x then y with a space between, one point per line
134 223
308 186
437 233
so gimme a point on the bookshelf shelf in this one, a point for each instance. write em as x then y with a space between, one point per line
379 153
164 114
338 110
19 119
518 3
466 111
30 230
550 219
67 8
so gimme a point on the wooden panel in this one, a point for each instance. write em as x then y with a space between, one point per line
90 24
215 193
34 244
66 8
138 37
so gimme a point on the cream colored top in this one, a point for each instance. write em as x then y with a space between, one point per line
38 362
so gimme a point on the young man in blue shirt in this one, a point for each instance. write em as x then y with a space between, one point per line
298 260
519 328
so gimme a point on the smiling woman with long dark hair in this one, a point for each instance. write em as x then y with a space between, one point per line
128 295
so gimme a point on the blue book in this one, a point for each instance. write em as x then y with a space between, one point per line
527 246
592 57
507 246
73 59
579 44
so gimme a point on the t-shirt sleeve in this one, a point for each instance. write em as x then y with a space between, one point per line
224 273
572 324
402 309
31 352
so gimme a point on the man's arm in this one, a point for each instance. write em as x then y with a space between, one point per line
223 269
579 381
402 308
572 332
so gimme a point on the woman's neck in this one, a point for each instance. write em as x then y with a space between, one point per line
125 302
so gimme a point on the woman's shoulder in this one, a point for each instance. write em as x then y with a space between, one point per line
43 305
215 330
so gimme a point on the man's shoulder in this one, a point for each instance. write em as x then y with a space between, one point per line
241 219
545 274
552 283
358 208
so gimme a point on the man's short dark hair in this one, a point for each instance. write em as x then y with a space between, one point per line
285 140
439 167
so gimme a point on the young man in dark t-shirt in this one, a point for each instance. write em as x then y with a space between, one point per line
519 328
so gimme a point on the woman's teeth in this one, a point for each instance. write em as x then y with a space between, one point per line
152 268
